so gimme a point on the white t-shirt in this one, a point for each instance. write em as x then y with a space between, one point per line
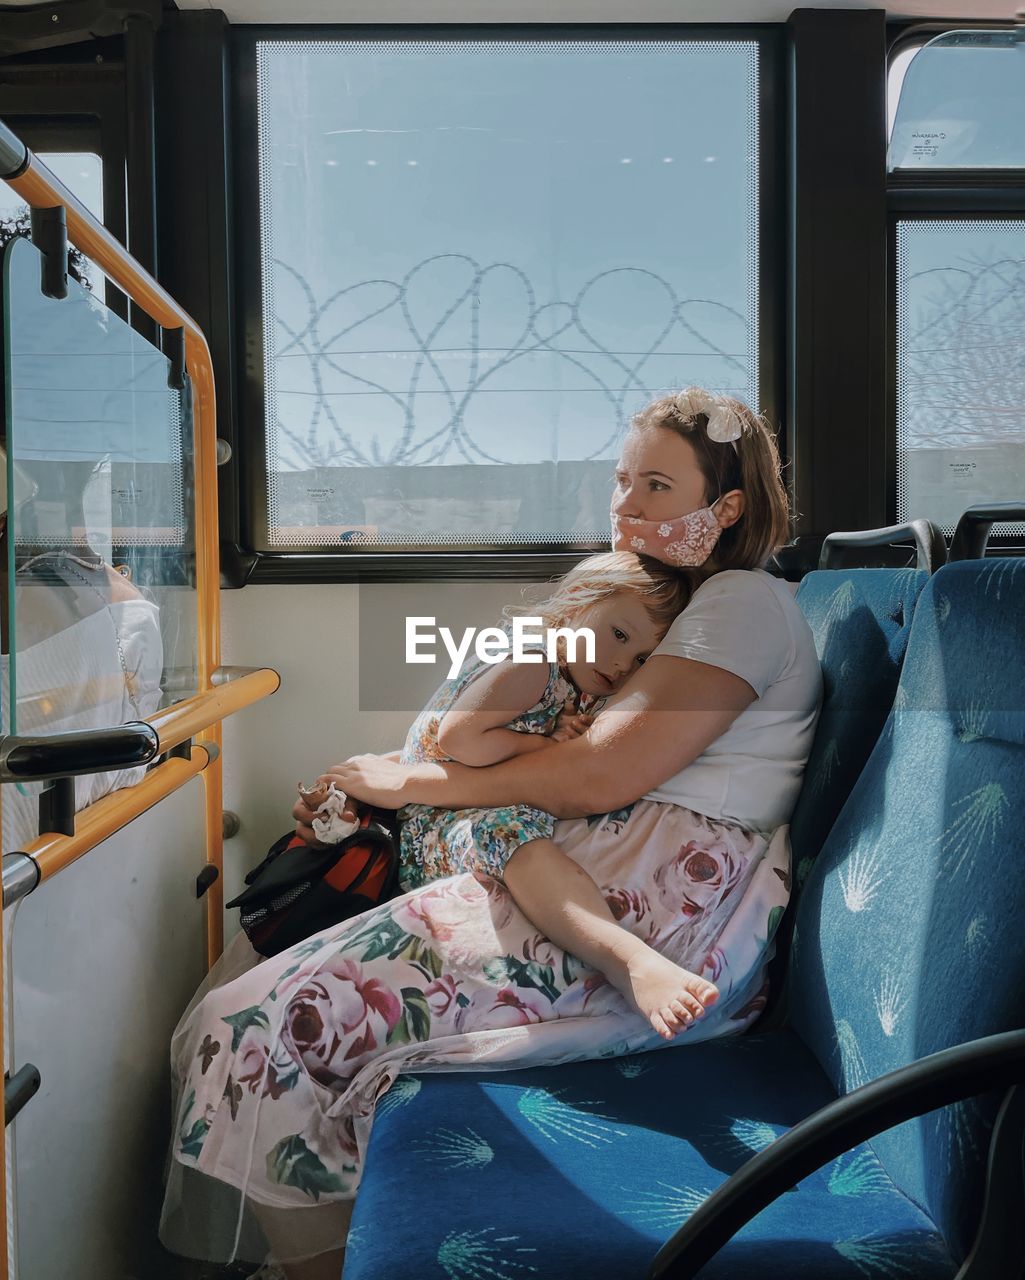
747 622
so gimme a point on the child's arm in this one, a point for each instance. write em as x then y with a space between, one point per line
473 730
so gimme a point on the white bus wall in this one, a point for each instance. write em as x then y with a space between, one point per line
102 960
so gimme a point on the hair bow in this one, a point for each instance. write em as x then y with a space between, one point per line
724 423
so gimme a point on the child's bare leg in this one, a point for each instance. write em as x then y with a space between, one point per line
562 900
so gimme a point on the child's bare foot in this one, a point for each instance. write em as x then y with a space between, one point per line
670 998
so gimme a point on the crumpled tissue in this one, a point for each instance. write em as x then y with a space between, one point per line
328 825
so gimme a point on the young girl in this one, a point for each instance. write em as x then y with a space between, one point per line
492 712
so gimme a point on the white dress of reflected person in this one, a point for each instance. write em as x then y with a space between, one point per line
87 655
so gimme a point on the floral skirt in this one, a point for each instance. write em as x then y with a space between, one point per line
445 842
277 1071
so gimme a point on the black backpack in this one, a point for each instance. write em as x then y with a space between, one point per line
297 891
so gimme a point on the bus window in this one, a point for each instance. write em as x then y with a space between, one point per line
956 104
961 101
960 372
478 259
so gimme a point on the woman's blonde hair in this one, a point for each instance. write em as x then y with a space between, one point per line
664 591
750 463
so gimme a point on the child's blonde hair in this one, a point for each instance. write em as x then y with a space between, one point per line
750 463
664 591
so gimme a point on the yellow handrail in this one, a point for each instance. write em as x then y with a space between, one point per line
193 715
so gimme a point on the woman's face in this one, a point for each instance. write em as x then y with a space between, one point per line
657 477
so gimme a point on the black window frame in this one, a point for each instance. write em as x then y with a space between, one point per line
938 195
836 266
401 565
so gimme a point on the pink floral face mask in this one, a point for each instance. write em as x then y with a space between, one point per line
686 541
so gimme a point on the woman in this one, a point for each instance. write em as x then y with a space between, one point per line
696 768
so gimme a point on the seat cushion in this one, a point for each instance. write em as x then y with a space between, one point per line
588 1168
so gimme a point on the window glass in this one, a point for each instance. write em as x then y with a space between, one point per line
82 173
478 259
960 367
961 103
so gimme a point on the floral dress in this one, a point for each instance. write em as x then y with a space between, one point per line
277 1072
444 842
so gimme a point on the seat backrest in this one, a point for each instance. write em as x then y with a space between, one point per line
860 619
908 937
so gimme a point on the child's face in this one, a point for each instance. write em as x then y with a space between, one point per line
624 635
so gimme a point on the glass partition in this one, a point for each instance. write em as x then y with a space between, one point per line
100 623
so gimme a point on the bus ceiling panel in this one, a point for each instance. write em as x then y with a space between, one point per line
30 26
557 11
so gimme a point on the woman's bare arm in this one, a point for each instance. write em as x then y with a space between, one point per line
672 709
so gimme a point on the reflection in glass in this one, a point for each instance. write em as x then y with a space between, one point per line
100 619
479 258
962 102
960 367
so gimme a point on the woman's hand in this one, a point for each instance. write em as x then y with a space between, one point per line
304 816
370 779
307 807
